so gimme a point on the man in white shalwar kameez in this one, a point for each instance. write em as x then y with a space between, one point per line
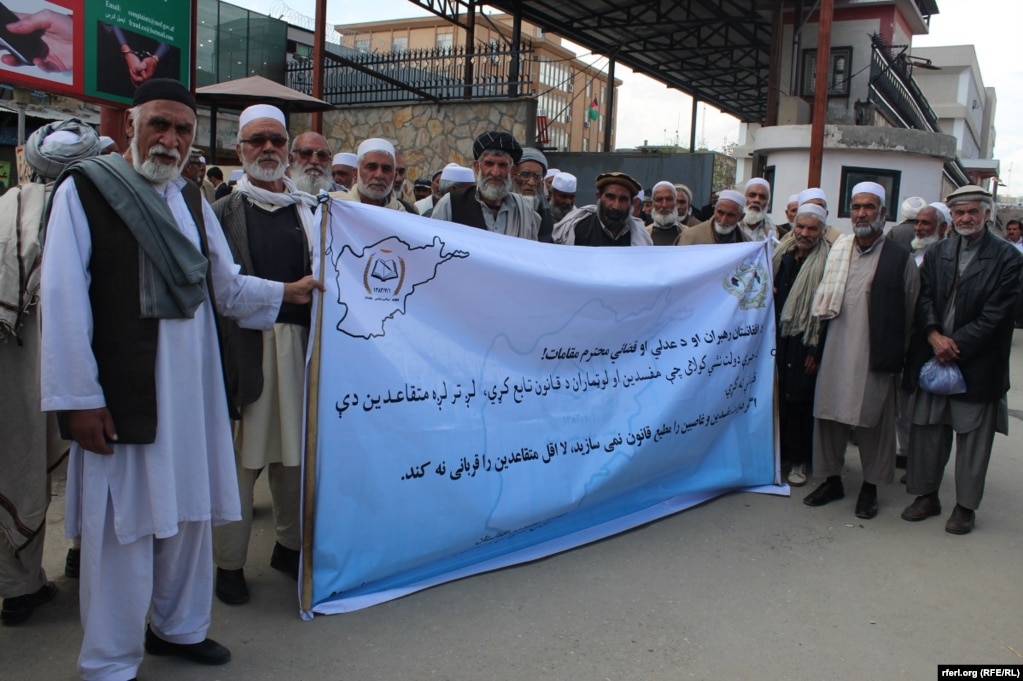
868 295
145 511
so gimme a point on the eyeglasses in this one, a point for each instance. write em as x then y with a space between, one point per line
261 140
526 176
307 153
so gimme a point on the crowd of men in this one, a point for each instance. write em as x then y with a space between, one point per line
171 302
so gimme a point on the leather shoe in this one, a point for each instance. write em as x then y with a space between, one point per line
922 508
204 652
231 587
73 563
825 493
286 560
866 503
18 609
961 520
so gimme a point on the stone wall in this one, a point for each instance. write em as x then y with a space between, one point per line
430 135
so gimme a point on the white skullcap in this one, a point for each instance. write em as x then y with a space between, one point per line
106 142
456 173
565 183
793 199
236 175
374 144
910 207
814 210
757 180
345 158
551 173
257 111
869 188
946 214
812 193
665 183
733 196
641 195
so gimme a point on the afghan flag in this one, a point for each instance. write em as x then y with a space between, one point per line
594 112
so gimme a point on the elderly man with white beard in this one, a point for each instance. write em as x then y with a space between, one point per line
723 227
134 265
269 225
374 176
610 221
309 163
867 295
491 204
665 227
563 189
757 224
970 283
528 176
684 200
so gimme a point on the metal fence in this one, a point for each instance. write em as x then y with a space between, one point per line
436 74
894 91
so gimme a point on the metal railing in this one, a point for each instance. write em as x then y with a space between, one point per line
895 93
436 74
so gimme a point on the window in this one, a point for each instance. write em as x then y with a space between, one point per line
445 41
399 43
889 179
839 72
362 44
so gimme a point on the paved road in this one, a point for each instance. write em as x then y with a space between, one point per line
744 587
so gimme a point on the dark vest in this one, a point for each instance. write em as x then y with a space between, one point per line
887 309
123 343
465 209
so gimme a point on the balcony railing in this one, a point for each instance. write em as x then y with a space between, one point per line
895 93
353 77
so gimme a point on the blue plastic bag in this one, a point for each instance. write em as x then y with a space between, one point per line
942 379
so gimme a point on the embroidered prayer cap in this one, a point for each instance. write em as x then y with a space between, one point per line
814 210
757 181
679 187
551 172
810 194
943 210
565 183
497 141
345 158
869 188
664 183
731 195
531 154
258 111
910 207
457 174
374 144
56 145
163 88
970 192
624 180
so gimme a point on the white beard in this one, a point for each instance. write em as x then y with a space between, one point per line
919 244
723 230
491 193
753 216
969 231
665 219
532 200
372 192
867 230
312 183
153 170
261 174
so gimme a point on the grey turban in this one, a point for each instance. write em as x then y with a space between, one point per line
56 145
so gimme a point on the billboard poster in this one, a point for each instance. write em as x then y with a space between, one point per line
98 50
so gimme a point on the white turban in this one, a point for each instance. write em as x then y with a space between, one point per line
869 188
257 111
374 144
910 207
733 196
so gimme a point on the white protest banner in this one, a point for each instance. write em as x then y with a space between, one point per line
484 400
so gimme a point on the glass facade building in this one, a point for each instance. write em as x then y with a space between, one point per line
233 42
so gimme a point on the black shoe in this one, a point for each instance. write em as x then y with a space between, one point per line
73 563
18 609
866 503
285 560
828 491
923 507
231 587
204 652
961 520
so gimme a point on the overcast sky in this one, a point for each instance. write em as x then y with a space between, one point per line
658 115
